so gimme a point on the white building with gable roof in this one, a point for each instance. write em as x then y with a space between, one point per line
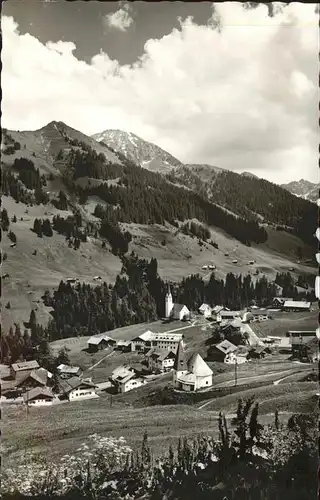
175 311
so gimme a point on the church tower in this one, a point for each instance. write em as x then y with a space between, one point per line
180 366
168 303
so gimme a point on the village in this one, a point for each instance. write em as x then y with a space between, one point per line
230 338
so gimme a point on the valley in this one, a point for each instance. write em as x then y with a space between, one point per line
124 219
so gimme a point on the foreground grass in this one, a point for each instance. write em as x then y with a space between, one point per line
62 428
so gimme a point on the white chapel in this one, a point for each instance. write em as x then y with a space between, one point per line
175 311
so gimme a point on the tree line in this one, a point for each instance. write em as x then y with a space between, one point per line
253 199
137 296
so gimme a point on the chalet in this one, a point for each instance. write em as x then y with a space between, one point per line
123 345
299 338
224 315
13 387
190 374
309 352
66 371
124 379
296 306
256 315
232 358
39 396
218 352
142 342
205 310
258 352
101 341
77 389
162 361
279 301
23 367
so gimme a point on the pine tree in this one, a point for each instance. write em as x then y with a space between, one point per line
4 220
145 451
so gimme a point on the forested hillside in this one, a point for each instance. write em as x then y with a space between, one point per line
252 198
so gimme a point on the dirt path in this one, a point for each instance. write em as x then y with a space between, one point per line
100 360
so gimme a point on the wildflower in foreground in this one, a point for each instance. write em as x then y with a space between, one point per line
35 474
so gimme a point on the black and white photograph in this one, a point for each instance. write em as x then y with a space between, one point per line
159 250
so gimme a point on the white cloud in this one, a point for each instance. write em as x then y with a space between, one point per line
243 98
121 19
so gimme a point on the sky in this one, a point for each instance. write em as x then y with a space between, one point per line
214 83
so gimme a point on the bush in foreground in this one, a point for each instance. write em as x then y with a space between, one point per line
278 462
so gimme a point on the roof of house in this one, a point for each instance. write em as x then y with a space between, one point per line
96 339
68 369
282 299
122 371
162 355
258 312
302 332
217 309
36 392
198 366
229 314
226 347
124 342
204 306
125 379
25 365
169 337
297 303
72 383
148 335
258 349
177 308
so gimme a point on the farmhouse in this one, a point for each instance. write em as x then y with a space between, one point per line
296 305
142 341
123 345
279 301
23 367
299 338
190 374
162 361
66 371
175 311
124 379
258 352
24 380
75 389
38 397
101 341
205 310
256 315
219 352
309 352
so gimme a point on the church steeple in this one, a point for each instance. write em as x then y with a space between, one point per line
180 363
168 294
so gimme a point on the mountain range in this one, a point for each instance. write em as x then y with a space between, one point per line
98 196
303 189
